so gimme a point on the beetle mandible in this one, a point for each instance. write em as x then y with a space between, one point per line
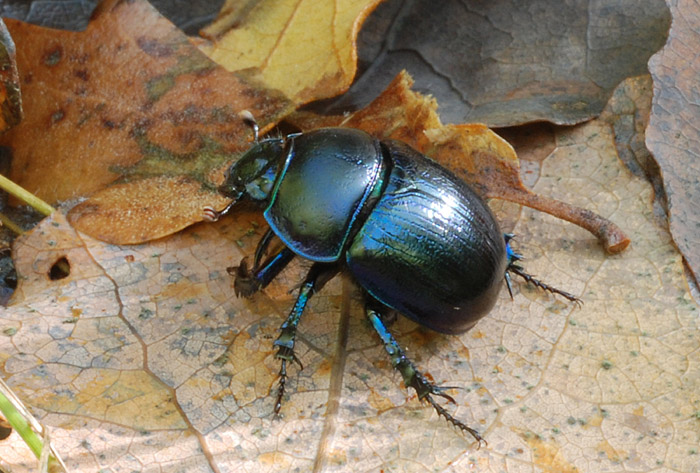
413 236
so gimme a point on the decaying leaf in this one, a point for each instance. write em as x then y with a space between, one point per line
128 107
142 359
304 48
505 63
473 152
673 136
10 97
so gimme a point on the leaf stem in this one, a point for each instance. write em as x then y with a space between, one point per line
25 196
27 427
20 424
613 239
6 222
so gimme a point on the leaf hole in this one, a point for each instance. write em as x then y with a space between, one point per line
60 269
5 429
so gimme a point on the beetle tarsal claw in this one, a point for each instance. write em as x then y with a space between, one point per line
284 354
456 422
287 354
440 391
280 386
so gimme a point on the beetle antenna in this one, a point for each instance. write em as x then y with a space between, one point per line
212 215
249 120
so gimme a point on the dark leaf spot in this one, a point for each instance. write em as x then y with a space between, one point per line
53 56
57 116
154 48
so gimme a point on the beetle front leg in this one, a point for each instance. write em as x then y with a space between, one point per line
318 275
249 281
414 378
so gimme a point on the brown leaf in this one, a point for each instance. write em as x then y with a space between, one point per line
10 97
473 152
505 63
673 136
137 211
304 48
130 102
142 359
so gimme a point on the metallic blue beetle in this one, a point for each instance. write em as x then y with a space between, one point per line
414 237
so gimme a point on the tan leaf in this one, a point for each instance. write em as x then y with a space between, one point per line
304 48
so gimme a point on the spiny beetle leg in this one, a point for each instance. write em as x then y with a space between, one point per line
508 282
532 280
513 258
285 354
318 275
414 378
248 282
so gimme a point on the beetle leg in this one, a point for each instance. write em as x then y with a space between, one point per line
318 275
261 249
532 280
510 290
248 282
513 257
414 378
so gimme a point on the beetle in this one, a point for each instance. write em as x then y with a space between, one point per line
415 238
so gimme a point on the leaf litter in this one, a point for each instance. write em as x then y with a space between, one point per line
141 358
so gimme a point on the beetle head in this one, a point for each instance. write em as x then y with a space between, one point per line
254 173
252 176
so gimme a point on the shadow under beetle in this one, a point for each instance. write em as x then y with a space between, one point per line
413 236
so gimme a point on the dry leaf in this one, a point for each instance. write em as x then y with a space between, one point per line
130 102
304 48
673 136
142 358
505 63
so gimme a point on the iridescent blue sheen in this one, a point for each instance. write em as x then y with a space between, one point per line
430 248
